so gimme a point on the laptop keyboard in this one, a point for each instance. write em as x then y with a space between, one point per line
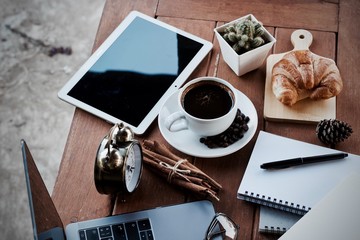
136 230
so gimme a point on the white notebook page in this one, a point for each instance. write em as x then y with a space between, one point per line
295 189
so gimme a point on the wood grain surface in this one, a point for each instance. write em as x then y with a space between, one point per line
332 26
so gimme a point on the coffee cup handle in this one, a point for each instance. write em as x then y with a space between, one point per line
176 122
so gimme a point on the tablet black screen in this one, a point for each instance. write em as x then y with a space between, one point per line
135 71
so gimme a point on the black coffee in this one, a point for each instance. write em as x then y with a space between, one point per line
207 100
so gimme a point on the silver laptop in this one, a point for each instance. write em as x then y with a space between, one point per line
184 221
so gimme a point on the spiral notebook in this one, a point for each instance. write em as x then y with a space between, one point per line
276 221
334 217
295 189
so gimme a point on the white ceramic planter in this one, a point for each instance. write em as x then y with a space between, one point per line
247 61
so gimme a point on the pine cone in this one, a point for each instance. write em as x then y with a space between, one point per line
333 131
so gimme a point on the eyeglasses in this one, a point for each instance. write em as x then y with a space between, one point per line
223 226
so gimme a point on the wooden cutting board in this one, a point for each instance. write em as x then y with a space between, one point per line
305 110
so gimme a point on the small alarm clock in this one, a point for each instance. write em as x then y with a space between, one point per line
118 163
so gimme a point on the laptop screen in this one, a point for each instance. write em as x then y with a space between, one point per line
46 222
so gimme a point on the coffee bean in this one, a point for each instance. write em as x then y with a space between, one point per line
234 133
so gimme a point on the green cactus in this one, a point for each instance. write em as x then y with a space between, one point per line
245 35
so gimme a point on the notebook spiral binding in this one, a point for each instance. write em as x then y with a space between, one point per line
274 203
274 230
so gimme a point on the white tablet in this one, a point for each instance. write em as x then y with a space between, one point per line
129 77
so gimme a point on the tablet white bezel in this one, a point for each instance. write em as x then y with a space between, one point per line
145 123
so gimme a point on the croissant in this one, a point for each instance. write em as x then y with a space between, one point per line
300 74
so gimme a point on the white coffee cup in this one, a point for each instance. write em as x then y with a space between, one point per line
207 107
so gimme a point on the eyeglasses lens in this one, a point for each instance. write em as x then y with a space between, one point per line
222 227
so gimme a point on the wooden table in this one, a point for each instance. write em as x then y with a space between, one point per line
333 25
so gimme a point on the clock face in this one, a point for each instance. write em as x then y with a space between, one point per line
133 167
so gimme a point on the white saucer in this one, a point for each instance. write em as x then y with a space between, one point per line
189 143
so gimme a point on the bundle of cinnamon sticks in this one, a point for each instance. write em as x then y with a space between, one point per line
179 171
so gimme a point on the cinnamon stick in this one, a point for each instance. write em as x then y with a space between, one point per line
194 173
160 158
161 152
206 192
178 170
161 149
164 170
190 186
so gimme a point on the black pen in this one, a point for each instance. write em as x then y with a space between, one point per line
302 160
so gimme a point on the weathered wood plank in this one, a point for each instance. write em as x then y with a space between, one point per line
348 55
228 171
75 179
317 15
